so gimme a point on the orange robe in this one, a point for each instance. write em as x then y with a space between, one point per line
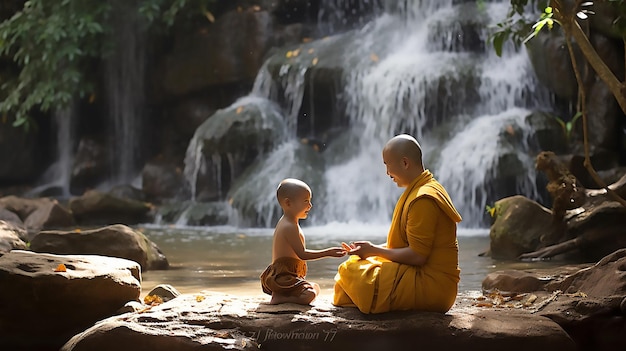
424 219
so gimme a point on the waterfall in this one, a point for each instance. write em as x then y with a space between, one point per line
124 79
455 101
59 173
419 67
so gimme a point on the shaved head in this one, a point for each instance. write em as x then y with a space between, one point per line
404 145
290 188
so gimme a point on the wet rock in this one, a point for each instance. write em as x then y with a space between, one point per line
228 142
100 208
114 241
91 166
162 180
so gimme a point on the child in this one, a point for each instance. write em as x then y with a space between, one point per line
284 278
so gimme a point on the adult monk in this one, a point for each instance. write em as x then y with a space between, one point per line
417 268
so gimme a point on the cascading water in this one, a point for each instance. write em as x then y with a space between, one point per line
58 174
428 85
124 78
422 68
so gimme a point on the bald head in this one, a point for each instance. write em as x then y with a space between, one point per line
291 188
404 145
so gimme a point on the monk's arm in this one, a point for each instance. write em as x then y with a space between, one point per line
404 255
420 230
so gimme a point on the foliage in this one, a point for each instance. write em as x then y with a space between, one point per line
50 45
569 125
568 14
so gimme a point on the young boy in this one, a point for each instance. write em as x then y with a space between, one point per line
284 278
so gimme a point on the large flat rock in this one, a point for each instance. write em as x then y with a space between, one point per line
43 304
215 321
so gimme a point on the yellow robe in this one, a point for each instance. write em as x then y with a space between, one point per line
424 219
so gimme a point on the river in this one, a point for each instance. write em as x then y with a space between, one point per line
228 259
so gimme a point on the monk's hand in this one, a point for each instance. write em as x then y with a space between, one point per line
363 249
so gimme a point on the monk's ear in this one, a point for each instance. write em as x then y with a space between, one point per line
405 162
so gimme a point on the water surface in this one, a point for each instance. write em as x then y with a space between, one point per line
229 259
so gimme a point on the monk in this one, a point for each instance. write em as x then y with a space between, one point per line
285 277
417 268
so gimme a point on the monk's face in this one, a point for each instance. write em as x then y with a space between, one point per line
396 167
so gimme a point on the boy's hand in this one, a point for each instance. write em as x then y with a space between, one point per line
337 252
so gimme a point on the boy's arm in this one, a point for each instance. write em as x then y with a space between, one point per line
292 237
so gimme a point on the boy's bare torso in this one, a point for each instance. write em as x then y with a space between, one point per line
281 246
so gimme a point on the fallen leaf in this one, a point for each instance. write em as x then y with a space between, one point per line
311 50
153 300
61 268
239 109
374 58
199 298
306 40
314 62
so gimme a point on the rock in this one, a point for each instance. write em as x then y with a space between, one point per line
519 223
115 241
551 62
99 208
229 51
219 322
91 165
41 308
165 291
587 302
162 180
228 142
38 214
10 237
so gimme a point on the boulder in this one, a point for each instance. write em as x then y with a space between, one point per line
42 304
161 180
115 241
587 301
10 237
229 51
38 214
518 225
91 165
214 321
100 208
228 142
